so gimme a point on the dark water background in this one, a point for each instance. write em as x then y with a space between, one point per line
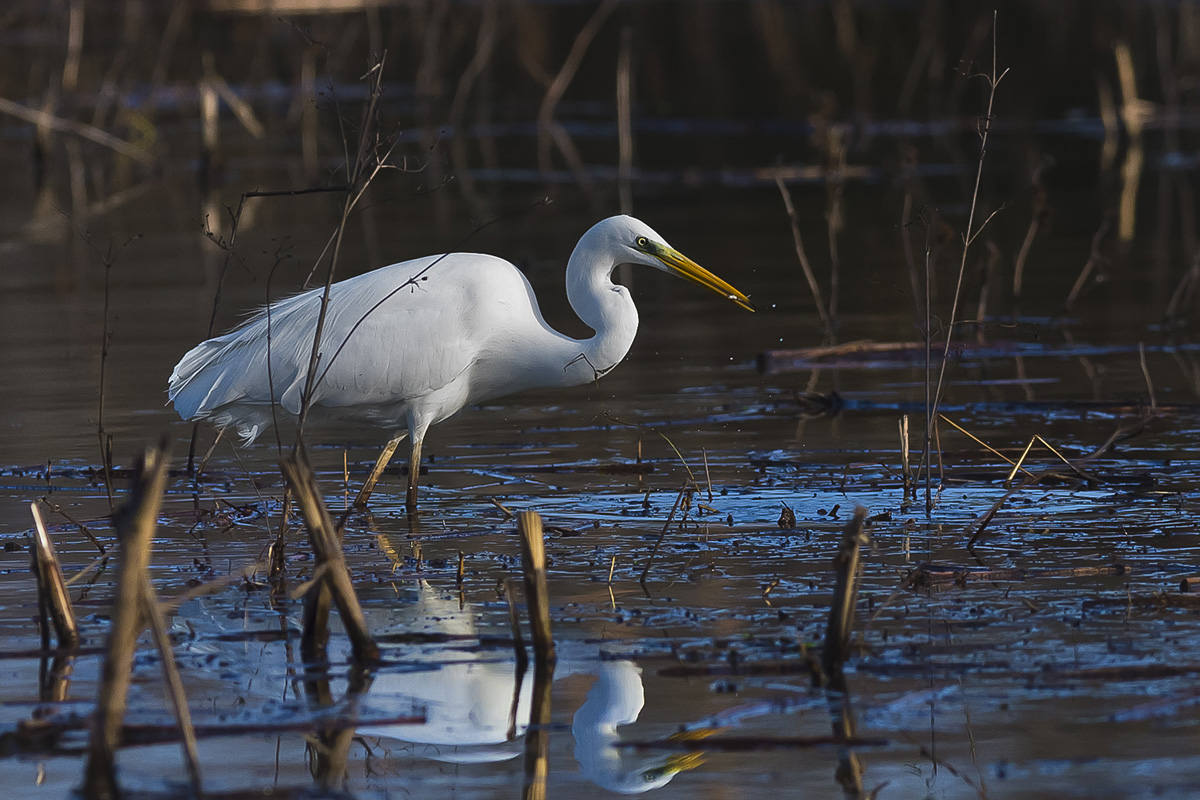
1076 682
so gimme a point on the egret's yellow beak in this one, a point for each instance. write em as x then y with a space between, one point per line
676 263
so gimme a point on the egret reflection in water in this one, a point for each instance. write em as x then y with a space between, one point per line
475 712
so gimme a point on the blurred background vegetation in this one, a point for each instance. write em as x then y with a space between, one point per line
119 110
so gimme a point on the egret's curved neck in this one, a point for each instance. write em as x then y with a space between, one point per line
603 306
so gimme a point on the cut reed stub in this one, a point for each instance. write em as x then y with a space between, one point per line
841 610
537 597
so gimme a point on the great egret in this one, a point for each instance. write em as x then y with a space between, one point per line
408 345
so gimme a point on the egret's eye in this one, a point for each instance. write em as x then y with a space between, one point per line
642 241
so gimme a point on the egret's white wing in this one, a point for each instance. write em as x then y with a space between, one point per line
391 336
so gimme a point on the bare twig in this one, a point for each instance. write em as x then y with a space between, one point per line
813 287
993 81
662 534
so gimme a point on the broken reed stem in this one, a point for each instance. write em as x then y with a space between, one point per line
105 339
1016 466
625 121
1070 464
662 534
91 537
987 518
905 466
52 590
1096 258
1146 375
1184 290
514 621
44 119
174 690
707 475
841 610
135 523
982 443
926 445
277 555
558 86
813 287
327 548
537 601
537 598
537 736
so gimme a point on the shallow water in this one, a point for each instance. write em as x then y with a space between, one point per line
1055 658
998 686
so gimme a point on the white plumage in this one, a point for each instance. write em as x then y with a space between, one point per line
408 345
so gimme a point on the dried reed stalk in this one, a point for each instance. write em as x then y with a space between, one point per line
537 601
335 583
514 621
135 523
173 682
537 736
537 598
44 119
558 86
625 123
969 236
662 534
52 589
845 593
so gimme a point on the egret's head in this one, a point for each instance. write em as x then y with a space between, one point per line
644 246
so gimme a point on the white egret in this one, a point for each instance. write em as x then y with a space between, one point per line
408 345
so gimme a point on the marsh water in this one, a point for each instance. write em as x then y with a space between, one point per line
1055 656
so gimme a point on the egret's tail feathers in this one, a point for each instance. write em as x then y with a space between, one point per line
203 387
183 390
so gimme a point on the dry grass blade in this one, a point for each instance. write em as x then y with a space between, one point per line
52 589
136 522
1015 465
326 544
1070 464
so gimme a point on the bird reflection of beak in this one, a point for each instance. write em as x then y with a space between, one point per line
678 762
682 762
677 263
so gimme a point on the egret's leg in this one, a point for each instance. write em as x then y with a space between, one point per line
414 470
381 463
